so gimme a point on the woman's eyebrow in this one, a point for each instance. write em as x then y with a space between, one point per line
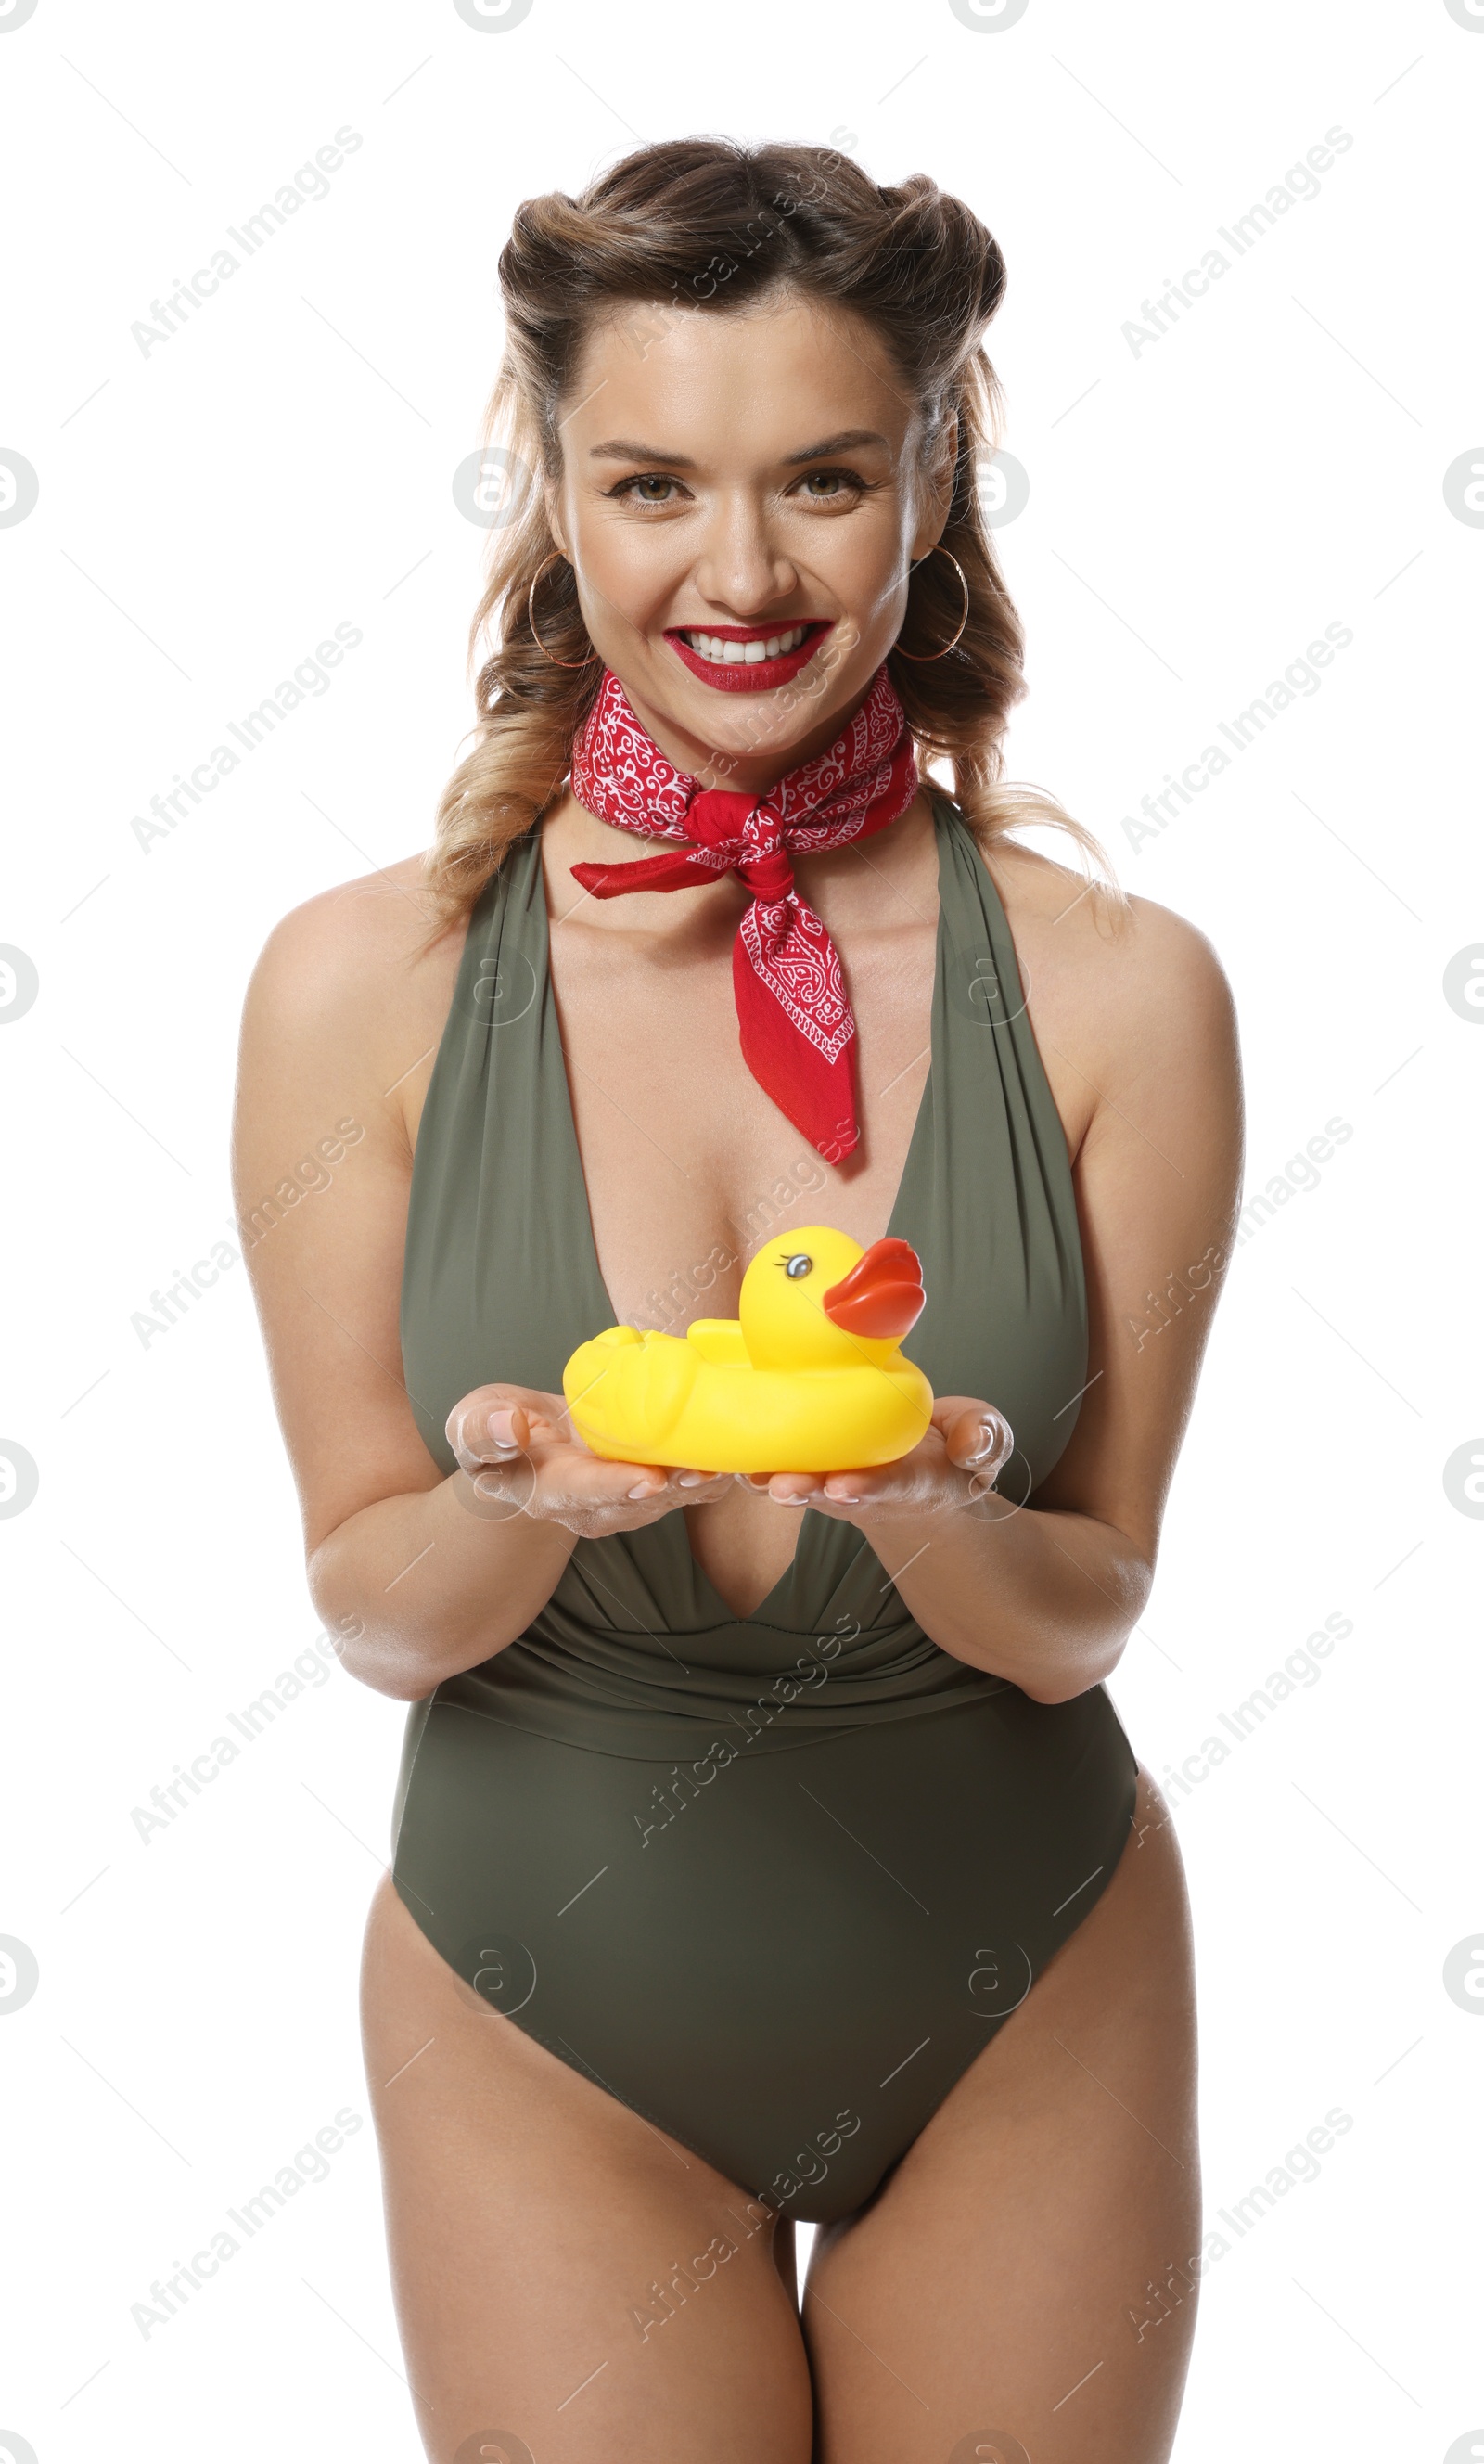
847 442
622 449
619 449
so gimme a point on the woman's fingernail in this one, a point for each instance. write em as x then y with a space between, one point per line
989 1438
645 1489
693 1479
502 1427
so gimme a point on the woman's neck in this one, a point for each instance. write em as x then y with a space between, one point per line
881 880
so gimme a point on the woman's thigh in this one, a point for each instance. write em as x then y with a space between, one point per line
564 2273
1001 2286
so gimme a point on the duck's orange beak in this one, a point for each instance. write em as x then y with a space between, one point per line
882 1295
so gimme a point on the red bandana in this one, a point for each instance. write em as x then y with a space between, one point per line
795 1015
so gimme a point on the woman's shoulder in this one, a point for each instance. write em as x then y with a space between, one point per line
1144 958
1113 991
354 979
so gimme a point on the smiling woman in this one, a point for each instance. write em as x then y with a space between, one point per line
873 298
915 1967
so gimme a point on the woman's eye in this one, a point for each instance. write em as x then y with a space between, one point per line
831 487
651 488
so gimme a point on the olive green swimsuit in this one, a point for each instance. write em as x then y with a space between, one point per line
770 1881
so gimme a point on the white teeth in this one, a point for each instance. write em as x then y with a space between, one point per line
733 654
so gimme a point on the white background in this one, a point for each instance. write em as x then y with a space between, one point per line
1199 512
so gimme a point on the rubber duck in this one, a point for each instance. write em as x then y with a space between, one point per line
807 1377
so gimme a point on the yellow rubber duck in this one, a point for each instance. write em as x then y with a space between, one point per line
807 1377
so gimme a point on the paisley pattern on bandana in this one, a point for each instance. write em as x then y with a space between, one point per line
794 1012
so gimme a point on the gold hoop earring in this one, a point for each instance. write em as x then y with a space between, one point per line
922 658
557 558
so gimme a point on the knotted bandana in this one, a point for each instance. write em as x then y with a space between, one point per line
797 1023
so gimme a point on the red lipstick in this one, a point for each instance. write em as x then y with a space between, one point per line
741 675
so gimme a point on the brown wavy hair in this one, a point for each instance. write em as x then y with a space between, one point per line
700 226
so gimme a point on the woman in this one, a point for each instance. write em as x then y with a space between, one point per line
765 1848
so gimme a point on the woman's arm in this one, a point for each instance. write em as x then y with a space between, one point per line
1048 1596
419 1575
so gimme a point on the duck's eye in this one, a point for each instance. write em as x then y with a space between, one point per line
798 1265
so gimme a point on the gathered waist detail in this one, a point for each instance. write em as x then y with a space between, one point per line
620 1689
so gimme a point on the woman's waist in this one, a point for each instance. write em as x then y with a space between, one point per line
639 1691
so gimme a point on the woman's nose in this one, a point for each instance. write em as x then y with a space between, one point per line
741 566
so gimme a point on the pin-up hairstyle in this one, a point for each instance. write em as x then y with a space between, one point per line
702 226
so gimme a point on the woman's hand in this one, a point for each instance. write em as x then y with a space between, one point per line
519 1454
957 1461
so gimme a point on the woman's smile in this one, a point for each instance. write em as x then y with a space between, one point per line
748 658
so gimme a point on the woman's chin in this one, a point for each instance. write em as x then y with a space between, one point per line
747 725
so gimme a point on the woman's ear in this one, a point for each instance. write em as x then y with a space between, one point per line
554 519
937 492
